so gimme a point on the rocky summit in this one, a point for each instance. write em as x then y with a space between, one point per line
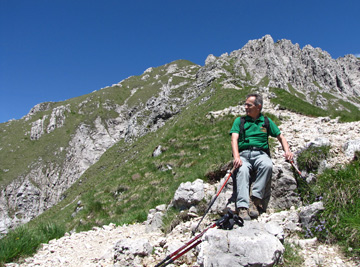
47 153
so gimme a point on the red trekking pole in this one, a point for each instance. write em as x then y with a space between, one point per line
212 202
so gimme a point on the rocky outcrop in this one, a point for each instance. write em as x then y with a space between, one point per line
350 147
189 194
154 220
286 63
57 120
130 251
38 108
250 245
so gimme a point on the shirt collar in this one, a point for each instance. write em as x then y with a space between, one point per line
261 118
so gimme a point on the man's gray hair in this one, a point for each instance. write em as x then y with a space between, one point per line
258 99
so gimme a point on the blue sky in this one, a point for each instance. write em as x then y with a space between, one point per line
53 50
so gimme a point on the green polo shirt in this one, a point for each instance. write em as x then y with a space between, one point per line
255 132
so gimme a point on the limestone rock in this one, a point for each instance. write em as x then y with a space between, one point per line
157 152
38 108
210 59
308 214
189 194
226 199
250 245
128 249
154 218
57 118
37 128
350 147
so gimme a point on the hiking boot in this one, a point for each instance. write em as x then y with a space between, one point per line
244 214
254 207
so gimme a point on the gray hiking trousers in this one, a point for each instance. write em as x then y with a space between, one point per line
257 161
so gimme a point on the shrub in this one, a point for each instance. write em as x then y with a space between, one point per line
310 158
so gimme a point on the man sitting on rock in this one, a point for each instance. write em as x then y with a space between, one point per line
249 144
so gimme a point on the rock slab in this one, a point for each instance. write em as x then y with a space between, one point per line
250 245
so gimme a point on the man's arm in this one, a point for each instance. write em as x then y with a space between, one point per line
288 154
235 150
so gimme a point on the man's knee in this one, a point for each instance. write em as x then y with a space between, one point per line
268 165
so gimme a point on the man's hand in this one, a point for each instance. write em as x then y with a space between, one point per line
237 162
289 155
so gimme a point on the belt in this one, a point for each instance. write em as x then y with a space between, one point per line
253 148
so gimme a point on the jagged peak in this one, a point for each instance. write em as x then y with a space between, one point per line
267 39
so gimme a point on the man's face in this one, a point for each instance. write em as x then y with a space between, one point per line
250 108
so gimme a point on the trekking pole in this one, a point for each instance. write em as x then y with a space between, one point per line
299 172
178 253
212 202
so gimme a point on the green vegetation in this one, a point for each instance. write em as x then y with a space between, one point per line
339 190
291 257
310 158
25 240
264 82
288 101
296 93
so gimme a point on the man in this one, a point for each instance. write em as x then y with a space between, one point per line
249 150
